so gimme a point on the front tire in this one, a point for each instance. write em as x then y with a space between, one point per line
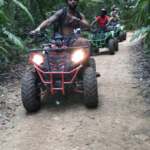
116 43
124 35
93 64
121 36
90 88
111 46
29 92
90 47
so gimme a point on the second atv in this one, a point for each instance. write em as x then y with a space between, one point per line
103 38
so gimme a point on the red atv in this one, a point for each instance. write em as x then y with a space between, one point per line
59 68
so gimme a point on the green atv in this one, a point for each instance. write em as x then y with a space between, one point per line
119 32
101 37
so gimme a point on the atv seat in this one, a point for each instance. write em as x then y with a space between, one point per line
99 31
58 36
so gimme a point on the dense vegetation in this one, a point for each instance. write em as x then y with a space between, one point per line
18 17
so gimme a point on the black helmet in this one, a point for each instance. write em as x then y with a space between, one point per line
104 11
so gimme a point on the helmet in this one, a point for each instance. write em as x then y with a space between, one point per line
104 11
67 1
114 7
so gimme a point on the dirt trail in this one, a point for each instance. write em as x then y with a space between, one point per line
119 122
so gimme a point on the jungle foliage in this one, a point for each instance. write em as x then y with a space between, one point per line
19 17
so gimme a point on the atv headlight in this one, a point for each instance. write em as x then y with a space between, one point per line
37 59
78 56
91 35
106 34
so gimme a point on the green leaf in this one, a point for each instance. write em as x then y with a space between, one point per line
1 3
3 50
143 31
4 18
145 52
25 9
13 38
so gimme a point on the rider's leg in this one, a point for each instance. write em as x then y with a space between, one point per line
81 42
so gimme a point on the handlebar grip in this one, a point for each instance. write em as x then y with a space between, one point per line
31 34
84 29
37 34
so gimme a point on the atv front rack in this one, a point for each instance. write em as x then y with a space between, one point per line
62 80
56 49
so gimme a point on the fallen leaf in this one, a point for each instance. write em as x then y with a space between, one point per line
12 115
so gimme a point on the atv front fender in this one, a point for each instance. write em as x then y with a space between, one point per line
112 33
122 27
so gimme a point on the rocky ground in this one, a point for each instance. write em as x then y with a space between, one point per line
10 97
141 70
121 121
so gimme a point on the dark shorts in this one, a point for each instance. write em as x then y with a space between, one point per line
71 40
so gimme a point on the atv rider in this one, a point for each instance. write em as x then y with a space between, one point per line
102 20
114 9
115 19
70 22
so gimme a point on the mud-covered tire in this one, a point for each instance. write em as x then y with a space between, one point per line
90 47
124 35
93 64
116 44
121 36
90 88
111 46
29 92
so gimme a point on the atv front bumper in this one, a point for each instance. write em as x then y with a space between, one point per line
75 71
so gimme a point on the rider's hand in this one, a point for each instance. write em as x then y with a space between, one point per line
34 31
73 18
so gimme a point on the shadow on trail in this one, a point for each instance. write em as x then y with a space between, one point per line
101 53
59 103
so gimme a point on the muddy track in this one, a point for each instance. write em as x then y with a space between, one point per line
119 122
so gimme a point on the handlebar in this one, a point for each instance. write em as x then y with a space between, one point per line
93 27
114 24
84 29
76 31
40 34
